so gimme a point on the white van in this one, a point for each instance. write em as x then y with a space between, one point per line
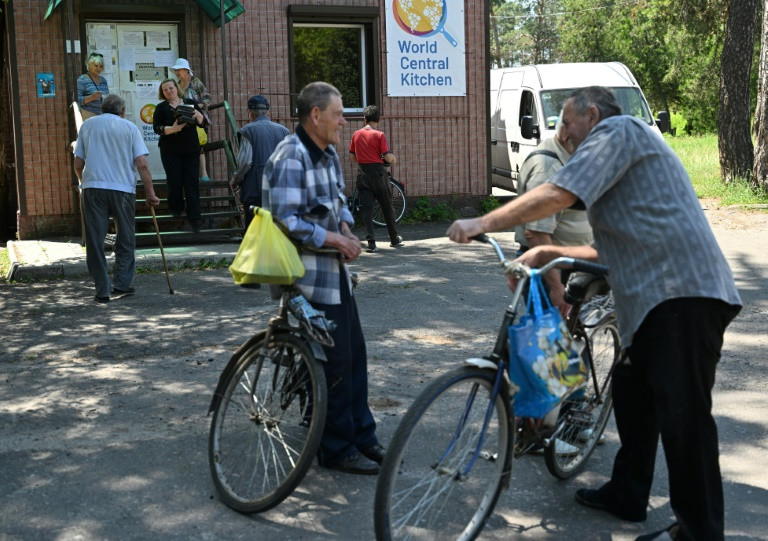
526 102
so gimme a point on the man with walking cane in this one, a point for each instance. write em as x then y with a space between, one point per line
107 150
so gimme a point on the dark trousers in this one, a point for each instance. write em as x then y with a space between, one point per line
182 172
666 389
349 424
373 185
98 206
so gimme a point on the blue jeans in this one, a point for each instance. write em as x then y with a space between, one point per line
98 205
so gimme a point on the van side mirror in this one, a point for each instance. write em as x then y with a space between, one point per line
528 128
663 121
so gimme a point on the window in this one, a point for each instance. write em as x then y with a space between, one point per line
338 46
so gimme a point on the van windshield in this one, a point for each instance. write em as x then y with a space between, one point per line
630 100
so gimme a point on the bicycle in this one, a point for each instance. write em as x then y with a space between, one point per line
452 453
397 191
269 408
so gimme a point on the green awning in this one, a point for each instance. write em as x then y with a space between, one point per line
53 4
232 8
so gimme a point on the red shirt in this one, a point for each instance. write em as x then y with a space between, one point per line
369 145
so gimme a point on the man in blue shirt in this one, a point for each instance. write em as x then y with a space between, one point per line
256 142
108 147
674 294
303 187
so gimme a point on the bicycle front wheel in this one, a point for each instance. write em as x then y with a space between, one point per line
586 413
267 427
445 466
398 205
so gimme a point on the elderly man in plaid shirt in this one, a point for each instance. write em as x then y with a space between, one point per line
303 187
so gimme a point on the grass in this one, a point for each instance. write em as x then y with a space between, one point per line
701 159
5 262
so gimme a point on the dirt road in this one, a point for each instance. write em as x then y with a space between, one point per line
103 426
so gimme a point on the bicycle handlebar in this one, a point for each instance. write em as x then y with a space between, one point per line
560 262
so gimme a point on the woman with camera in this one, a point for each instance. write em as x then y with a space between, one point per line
175 121
92 87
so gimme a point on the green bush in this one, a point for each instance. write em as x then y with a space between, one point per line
425 211
678 123
487 204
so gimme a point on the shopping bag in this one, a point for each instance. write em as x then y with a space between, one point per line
266 255
545 361
201 136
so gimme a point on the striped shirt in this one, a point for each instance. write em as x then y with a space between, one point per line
303 186
648 223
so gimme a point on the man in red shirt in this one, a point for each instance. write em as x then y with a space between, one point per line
369 149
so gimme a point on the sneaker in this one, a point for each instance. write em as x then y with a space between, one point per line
397 243
561 448
205 179
371 248
585 434
119 293
356 463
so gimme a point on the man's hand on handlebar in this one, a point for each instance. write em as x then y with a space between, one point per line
462 231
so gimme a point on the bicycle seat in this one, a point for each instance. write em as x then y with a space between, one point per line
582 286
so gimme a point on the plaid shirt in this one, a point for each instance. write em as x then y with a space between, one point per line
303 186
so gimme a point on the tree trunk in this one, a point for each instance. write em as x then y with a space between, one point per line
760 172
733 129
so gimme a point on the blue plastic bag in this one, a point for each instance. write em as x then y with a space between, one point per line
545 361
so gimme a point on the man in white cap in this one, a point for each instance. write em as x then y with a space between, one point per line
256 141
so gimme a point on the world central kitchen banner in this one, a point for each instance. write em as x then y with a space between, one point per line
425 48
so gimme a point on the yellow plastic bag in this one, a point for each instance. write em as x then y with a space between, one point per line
266 255
202 136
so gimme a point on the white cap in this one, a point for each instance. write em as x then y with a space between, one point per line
181 63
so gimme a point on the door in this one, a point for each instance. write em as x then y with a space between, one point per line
137 57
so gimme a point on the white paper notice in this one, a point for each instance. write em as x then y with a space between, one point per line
127 56
147 90
109 78
158 40
132 39
164 58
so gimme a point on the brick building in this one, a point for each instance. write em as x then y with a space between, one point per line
429 80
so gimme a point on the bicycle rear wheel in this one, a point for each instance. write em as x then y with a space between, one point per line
398 205
587 412
443 473
267 427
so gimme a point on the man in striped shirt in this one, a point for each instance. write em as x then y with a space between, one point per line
674 293
303 187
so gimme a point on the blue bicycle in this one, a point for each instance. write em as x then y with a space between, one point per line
452 452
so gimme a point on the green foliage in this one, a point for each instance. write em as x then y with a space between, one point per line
487 204
425 211
678 123
329 54
701 159
5 262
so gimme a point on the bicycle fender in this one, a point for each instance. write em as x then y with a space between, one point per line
236 356
481 363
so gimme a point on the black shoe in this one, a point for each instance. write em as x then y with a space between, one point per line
195 225
602 500
251 286
119 293
662 535
356 463
397 243
375 453
371 248
101 299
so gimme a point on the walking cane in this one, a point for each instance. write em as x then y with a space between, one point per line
162 252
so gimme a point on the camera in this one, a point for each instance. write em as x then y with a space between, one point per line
186 114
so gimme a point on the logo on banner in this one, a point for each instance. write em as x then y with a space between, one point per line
422 18
425 48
